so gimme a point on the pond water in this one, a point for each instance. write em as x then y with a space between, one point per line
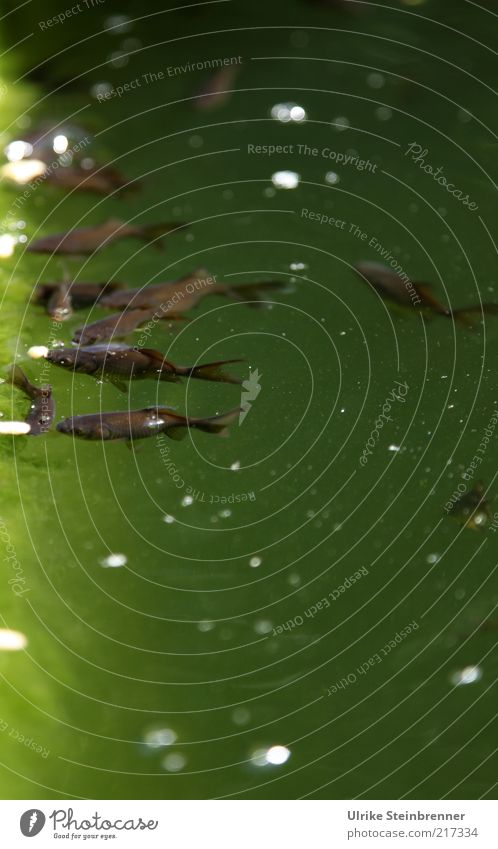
262 616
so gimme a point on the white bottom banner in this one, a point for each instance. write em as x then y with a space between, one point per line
246 824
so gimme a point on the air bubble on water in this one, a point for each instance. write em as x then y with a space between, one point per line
224 514
467 675
227 194
113 561
174 762
332 178
464 116
241 716
432 558
263 626
205 626
168 519
118 59
235 466
341 123
294 580
285 179
298 266
255 561
12 640
394 448
187 500
275 756
100 89
196 141
17 150
158 737
383 113
118 24
376 80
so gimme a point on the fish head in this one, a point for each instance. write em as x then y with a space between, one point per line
62 357
74 426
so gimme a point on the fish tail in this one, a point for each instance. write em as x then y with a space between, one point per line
154 233
218 425
253 293
17 378
470 315
210 371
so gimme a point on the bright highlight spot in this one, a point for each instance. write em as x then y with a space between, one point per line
12 640
160 737
60 144
17 150
285 179
467 675
7 245
114 561
24 171
14 428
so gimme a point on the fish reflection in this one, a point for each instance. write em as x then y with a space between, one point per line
42 409
117 325
181 295
100 181
140 424
215 91
81 294
89 239
402 291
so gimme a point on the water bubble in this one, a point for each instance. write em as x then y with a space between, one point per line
255 561
341 123
159 737
235 466
205 626
298 266
299 38
17 150
12 640
287 112
113 561
168 519
383 113
118 59
196 141
263 626
60 144
332 178
241 716
285 179
225 514
275 755
376 80
100 89
269 192
174 762
187 500
432 558
118 24
468 675
7 245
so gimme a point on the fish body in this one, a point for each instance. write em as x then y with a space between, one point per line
140 424
182 295
81 294
130 363
116 326
42 410
89 239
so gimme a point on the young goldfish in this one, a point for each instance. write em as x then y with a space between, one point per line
117 325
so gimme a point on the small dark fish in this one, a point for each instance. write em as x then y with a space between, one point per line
406 293
121 361
140 424
42 411
81 294
117 325
59 305
90 239
215 91
100 181
181 295
472 509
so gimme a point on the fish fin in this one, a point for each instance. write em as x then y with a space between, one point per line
471 315
16 377
253 293
176 433
153 233
218 425
119 384
211 371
